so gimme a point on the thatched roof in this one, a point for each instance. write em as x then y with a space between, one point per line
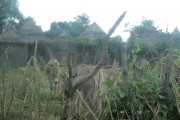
150 34
64 36
176 32
11 36
30 28
92 32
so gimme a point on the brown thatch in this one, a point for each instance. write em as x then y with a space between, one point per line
15 47
176 32
64 36
92 32
11 36
150 35
30 28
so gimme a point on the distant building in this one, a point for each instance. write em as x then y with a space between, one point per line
64 36
150 34
15 47
20 45
92 32
176 32
30 28
176 37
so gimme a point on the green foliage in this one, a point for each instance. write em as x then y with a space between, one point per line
163 42
9 14
57 28
24 20
32 98
79 25
144 100
74 28
177 41
152 49
95 47
145 25
115 45
133 56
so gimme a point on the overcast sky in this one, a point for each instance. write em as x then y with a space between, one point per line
104 12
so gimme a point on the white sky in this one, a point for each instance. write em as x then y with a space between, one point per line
104 12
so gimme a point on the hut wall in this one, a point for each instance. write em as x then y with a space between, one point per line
17 54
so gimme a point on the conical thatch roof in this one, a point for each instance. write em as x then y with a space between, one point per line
150 34
10 36
30 28
92 32
64 36
176 32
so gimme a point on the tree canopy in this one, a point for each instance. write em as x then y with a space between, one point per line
145 25
74 28
9 14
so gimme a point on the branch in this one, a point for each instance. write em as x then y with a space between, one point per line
166 87
105 53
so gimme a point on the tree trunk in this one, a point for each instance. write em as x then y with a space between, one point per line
125 68
166 87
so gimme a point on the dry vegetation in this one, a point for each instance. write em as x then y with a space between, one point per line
25 94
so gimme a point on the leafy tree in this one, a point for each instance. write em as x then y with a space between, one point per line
24 20
151 49
83 20
145 25
9 14
57 28
72 27
163 43
80 24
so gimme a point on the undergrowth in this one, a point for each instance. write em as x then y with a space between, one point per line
25 94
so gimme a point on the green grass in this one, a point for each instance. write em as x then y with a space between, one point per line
25 94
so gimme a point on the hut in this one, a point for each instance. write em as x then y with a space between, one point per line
33 33
64 44
176 37
92 32
15 47
150 34
30 28
20 45
64 36
176 32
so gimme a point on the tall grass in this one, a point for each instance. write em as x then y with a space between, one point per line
145 100
25 94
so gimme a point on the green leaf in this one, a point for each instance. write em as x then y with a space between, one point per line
121 94
139 112
108 82
122 112
162 97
